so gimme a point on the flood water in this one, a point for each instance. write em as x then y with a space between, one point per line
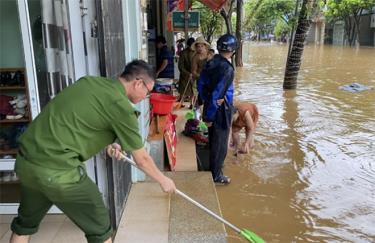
311 175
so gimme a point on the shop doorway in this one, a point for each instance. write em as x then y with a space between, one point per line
39 60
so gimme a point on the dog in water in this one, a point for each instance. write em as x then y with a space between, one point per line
246 116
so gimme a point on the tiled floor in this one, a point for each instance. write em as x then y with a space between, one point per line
53 229
145 219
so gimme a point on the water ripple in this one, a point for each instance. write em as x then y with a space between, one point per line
311 174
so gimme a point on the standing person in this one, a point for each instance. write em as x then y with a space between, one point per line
165 64
79 122
184 66
200 47
246 116
180 47
215 86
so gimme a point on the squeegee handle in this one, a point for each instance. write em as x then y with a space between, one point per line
207 210
192 200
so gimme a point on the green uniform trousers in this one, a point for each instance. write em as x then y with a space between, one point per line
81 201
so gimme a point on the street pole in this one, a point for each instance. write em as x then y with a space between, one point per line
186 16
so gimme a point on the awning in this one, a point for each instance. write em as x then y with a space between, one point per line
215 5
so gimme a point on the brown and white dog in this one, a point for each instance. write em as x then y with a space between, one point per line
246 116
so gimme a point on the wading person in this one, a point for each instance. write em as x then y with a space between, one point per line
79 122
215 86
246 116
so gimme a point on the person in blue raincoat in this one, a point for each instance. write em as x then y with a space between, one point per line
215 87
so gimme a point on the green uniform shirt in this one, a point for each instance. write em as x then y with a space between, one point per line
76 125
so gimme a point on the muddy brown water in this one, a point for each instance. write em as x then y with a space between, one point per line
311 174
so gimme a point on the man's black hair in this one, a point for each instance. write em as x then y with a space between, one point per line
161 39
137 68
190 41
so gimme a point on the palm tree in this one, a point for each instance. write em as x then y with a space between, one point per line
293 62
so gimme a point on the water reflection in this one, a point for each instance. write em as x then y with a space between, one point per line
311 175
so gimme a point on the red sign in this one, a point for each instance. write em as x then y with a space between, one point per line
213 4
170 138
173 5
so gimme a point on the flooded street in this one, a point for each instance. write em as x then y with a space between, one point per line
311 175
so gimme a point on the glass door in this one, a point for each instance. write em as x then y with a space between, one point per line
18 97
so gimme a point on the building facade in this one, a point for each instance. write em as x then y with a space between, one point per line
336 35
46 45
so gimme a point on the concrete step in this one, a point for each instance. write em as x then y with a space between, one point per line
146 215
188 223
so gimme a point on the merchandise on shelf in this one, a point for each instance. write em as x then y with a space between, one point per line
14 110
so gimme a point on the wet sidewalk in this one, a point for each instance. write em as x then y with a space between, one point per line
152 216
53 229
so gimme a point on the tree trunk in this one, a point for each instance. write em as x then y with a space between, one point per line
294 60
352 32
349 30
357 23
239 62
228 24
228 17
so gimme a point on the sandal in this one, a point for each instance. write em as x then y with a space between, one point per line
222 180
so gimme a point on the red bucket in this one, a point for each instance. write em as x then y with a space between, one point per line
162 104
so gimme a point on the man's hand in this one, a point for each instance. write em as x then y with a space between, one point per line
167 185
219 102
114 150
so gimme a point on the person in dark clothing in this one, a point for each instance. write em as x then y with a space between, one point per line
180 47
184 66
215 87
165 65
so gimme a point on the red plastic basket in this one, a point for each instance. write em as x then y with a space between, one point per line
162 104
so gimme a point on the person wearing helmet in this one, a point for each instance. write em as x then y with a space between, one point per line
215 87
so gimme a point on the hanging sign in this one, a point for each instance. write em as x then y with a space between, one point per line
215 5
178 20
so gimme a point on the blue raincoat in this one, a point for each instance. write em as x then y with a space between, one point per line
216 82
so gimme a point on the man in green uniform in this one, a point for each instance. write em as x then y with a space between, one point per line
74 126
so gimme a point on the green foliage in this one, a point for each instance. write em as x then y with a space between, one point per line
342 9
211 23
269 14
281 29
